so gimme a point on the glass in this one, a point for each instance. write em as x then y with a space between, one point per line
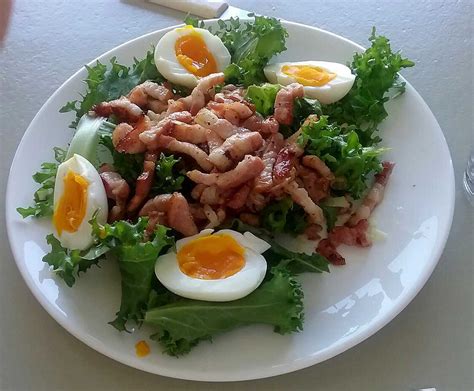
469 178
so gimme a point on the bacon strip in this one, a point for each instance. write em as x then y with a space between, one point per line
193 151
301 197
264 181
374 196
351 236
117 189
284 164
284 102
314 162
144 182
235 148
125 110
247 169
141 94
179 215
126 139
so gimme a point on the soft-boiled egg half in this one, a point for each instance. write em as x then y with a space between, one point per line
326 81
186 54
78 194
221 266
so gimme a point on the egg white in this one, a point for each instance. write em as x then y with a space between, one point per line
331 92
96 201
234 287
168 65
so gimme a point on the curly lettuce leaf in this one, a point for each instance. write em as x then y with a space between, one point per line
183 324
302 108
340 148
251 45
107 83
136 257
67 264
167 178
284 216
43 197
376 73
330 214
263 97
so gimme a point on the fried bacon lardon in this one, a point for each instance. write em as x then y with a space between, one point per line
236 161
284 102
122 108
172 210
356 235
144 182
151 95
126 138
247 169
374 196
118 190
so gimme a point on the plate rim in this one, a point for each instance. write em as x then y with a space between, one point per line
341 346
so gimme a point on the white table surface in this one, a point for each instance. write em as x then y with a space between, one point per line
430 344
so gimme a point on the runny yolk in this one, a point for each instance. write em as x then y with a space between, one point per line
142 349
71 207
211 257
192 53
308 75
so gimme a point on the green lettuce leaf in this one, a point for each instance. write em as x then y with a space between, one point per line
339 147
67 264
263 97
43 197
251 44
136 258
182 325
108 83
376 73
302 108
284 216
167 178
330 213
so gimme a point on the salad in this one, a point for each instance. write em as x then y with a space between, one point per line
186 167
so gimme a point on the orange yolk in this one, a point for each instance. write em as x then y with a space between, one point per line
71 207
192 53
142 349
308 75
211 257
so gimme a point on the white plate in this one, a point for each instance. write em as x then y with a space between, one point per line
342 308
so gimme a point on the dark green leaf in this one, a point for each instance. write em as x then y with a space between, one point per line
340 149
376 73
284 216
108 83
43 197
67 264
167 178
330 213
183 324
136 258
251 44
